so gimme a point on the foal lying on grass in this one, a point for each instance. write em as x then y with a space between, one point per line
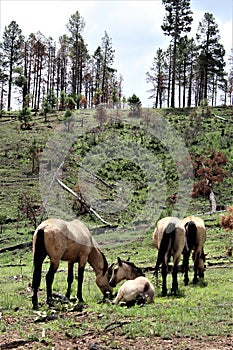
137 291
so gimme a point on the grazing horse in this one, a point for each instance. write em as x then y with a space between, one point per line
72 242
139 290
169 239
195 238
124 270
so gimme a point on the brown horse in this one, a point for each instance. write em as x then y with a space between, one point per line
72 242
124 270
140 290
169 239
195 237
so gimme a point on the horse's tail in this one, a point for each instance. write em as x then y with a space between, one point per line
39 254
167 239
191 234
39 249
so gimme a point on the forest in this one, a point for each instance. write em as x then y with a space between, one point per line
42 73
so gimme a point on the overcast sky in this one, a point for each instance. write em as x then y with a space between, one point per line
133 26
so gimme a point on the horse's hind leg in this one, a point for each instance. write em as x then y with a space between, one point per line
186 255
164 276
36 279
70 278
196 259
49 280
174 278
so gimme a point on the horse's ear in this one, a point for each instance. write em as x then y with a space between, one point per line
128 258
110 267
119 261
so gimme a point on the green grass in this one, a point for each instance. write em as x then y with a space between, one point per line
194 313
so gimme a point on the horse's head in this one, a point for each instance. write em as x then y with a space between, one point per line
124 270
201 264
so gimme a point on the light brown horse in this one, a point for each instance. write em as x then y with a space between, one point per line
169 239
140 290
72 242
195 237
124 269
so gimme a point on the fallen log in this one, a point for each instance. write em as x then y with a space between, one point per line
16 246
16 343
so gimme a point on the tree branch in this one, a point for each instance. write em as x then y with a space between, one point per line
82 201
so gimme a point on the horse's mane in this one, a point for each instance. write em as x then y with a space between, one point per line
127 262
133 266
105 268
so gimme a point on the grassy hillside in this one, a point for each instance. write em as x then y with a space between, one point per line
97 149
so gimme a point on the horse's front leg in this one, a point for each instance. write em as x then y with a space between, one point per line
70 278
80 283
49 281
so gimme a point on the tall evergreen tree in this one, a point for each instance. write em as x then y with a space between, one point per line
177 21
107 71
62 64
186 55
12 47
157 77
3 79
211 57
230 79
78 52
38 51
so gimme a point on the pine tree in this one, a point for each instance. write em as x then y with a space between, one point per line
107 72
78 52
185 62
210 62
157 77
12 49
62 64
230 79
177 21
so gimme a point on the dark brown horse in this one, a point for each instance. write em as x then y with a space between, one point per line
124 269
169 239
72 242
195 238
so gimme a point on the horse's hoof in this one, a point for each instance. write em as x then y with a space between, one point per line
78 307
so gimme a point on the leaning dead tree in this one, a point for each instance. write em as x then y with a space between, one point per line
81 200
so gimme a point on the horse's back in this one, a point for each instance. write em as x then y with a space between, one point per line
174 224
64 240
201 229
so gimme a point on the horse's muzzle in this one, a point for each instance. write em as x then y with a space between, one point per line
112 284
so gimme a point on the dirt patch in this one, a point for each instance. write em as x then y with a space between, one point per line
94 340
116 341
